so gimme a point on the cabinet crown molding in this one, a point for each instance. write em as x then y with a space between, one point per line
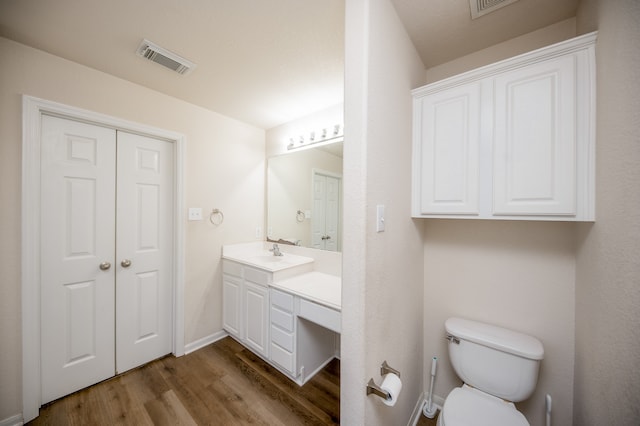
586 41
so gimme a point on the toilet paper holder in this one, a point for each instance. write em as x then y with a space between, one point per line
373 388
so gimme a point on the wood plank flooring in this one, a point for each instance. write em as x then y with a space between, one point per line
221 384
425 421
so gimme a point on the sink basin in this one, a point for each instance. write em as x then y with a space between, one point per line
264 259
270 262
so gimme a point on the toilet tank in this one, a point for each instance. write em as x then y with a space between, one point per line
498 361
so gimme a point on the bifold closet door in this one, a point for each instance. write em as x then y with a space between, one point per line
106 253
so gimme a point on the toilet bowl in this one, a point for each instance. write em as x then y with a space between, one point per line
468 406
498 367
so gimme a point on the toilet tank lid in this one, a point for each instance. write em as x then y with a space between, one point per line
499 338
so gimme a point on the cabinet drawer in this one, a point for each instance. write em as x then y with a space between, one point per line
282 319
282 338
281 357
257 276
232 268
321 315
282 300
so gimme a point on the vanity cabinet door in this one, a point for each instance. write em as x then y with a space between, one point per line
256 317
232 305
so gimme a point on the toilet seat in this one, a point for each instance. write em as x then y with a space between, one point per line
467 406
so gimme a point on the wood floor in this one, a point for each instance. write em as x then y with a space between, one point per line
221 384
425 421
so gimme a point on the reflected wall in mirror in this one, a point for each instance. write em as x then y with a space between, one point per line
304 197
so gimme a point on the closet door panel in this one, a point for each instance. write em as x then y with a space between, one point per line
144 250
77 249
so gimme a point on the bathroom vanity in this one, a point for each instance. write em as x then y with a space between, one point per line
281 308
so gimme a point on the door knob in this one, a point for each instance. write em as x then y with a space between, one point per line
125 263
105 265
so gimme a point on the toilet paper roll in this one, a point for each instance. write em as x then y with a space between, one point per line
392 384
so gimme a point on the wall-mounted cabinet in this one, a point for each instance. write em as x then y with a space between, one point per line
512 140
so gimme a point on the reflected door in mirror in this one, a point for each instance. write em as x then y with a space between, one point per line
326 212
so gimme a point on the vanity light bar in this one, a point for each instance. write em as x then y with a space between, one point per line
324 138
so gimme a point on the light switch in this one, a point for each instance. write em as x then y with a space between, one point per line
380 218
195 213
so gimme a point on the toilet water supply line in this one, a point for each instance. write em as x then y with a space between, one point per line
547 403
430 409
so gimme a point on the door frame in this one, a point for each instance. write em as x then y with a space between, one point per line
32 111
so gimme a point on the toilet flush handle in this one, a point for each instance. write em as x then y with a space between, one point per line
452 339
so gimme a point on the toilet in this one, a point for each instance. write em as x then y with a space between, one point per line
498 367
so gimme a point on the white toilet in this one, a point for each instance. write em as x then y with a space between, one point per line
498 367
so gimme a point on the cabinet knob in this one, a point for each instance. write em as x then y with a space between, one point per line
125 263
105 265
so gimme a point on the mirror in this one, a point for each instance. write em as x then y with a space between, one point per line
304 197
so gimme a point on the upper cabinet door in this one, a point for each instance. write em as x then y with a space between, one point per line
448 130
534 149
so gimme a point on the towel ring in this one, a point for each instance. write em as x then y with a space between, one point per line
216 217
300 216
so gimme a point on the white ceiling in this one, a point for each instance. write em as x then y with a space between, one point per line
264 62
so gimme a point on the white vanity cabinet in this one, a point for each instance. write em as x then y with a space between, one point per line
512 140
281 309
245 305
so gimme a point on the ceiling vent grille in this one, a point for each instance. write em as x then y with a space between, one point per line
157 54
482 7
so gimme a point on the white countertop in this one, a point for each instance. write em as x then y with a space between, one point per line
316 286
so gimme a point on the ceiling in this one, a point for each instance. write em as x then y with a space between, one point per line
264 62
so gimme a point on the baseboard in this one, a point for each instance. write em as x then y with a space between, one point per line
12 421
417 411
201 343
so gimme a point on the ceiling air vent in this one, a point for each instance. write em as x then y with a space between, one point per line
165 58
482 7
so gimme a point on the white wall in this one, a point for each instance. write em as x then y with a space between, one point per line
219 150
607 378
382 272
516 274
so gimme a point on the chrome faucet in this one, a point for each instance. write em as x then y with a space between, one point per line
276 250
